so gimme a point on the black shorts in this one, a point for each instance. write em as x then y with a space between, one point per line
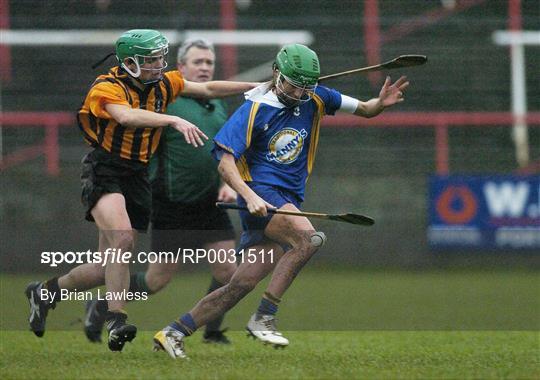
103 173
176 225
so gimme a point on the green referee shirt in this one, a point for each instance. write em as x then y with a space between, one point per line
180 172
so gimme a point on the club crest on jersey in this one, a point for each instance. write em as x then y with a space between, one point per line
286 145
158 106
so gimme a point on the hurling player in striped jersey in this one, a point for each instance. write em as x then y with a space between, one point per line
122 118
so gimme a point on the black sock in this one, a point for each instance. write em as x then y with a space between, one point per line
52 286
216 323
137 283
102 307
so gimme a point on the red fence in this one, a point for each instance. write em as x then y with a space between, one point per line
50 121
439 121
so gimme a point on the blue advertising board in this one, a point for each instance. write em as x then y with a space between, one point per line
484 212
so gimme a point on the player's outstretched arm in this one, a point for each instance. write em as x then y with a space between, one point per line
216 89
139 118
389 95
229 172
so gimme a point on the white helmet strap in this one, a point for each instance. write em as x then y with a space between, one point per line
133 74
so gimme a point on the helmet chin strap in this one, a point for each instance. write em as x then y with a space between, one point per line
136 74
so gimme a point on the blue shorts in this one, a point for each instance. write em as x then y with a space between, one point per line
253 226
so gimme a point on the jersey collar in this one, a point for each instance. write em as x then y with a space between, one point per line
263 94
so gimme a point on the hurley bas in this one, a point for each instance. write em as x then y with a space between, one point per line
66 295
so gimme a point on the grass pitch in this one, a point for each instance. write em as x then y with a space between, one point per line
343 354
341 324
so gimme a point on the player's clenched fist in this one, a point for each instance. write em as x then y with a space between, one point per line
192 134
257 206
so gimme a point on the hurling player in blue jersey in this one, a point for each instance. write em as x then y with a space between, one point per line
266 152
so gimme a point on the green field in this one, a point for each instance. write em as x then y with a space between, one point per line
404 355
342 323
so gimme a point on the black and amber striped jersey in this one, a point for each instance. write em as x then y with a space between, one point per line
99 129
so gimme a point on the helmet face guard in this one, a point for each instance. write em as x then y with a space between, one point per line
140 61
288 96
298 66
143 48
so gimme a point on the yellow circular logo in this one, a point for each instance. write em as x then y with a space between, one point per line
286 145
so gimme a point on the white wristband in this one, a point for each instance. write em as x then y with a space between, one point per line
348 104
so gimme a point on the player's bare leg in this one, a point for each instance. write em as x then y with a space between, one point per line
222 271
96 310
112 219
296 233
245 278
85 276
80 278
159 274
113 222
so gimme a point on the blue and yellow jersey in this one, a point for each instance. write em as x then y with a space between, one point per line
275 145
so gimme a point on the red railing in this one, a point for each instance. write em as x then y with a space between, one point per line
440 121
50 121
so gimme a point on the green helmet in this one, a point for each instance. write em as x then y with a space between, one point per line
298 64
138 45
